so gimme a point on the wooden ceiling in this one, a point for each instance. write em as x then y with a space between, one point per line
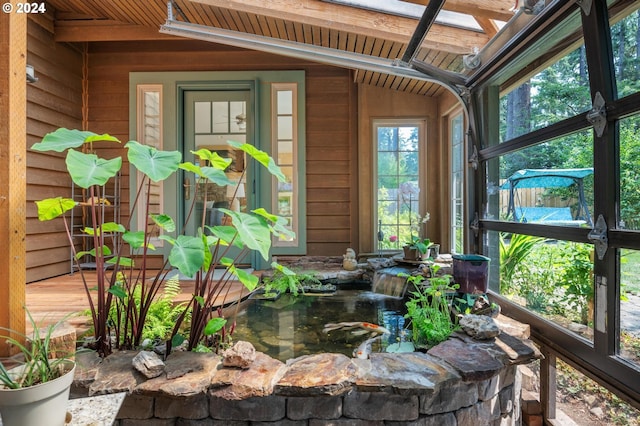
314 22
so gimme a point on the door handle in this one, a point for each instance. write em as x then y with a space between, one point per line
187 188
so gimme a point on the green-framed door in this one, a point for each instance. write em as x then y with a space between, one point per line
210 119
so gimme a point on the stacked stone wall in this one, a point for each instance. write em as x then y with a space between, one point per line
459 382
494 401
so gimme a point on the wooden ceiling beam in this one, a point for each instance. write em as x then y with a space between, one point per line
104 30
359 21
500 10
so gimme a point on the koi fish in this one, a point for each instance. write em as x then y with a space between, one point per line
366 326
364 349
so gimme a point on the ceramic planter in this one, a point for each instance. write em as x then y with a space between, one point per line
43 404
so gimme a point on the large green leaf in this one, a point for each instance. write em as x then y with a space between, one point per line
105 228
249 280
213 158
187 253
88 169
215 175
62 139
213 326
157 165
51 208
136 239
253 231
225 234
279 225
261 157
164 221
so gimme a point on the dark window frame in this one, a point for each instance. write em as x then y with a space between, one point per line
598 360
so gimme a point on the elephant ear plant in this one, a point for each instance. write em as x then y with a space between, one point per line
193 255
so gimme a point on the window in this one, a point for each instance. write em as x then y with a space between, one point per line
149 132
399 202
549 172
285 141
456 136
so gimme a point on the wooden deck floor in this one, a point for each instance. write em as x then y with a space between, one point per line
53 299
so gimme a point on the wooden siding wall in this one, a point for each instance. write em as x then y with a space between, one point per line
379 103
329 109
55 100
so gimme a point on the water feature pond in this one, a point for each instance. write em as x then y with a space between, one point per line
292 326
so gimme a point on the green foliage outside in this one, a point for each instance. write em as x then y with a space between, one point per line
550 277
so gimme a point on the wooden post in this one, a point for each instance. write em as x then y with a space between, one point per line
13 182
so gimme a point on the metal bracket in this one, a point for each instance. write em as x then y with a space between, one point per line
473 160
598 114
585 5
472 61
598 236
475 224
532 7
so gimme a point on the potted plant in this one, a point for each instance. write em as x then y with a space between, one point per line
196 256
416 247
37 390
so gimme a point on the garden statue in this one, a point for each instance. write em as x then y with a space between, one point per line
349 261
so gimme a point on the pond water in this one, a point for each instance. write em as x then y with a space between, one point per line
292 326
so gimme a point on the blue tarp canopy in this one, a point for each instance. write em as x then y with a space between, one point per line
546 178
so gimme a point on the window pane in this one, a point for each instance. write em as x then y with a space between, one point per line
285 102
285 153
238 122
541 195
387 163
626 54
556 93
285 128
398 187
630 173
629 320
551 278
220 117
202 117
387 139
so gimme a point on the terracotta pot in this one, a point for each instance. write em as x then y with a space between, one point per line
411 253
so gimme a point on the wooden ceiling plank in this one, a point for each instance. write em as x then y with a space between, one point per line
334 39
228 19
264 25
325 36
501 10
105 31
308 33
291 32
344 18
254 23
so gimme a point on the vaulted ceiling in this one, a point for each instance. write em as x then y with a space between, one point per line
340 30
